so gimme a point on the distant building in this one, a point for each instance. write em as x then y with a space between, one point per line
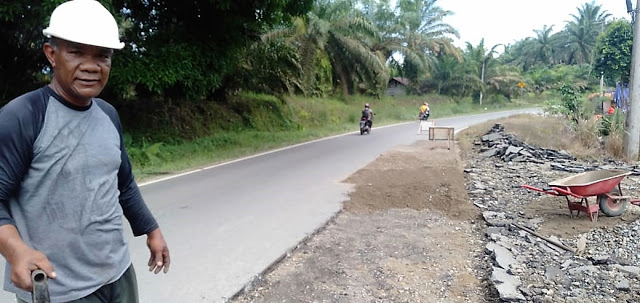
397 86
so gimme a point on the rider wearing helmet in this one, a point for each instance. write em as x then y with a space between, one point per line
424 111
367 113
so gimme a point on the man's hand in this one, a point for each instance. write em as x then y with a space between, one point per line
159 258
22 258
29 261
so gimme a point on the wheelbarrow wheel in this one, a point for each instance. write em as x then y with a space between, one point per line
612 207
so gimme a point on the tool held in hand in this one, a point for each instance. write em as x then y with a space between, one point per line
40 293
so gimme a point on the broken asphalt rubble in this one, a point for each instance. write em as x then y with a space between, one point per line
527 267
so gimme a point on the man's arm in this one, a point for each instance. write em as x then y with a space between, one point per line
135 209
20 124
133 205
17 135
141 219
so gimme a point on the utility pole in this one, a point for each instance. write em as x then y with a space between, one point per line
482 76
601 84
632 125
601 92
601 76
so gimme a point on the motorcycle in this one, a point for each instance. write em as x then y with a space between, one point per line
424 116
365 127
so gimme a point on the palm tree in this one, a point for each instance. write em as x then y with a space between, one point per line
452 76
423 35
519 54
503 80
543 46
337 32
389 42
483 59
581 32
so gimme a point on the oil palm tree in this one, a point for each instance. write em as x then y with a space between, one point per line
423 32
581 32
483 60
452 76
389 43
519 54
543 48
334 31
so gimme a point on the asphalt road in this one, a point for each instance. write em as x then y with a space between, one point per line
225 224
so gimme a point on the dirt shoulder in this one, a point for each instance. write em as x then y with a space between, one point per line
412 231
408 233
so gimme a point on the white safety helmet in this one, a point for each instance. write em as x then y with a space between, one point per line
86 22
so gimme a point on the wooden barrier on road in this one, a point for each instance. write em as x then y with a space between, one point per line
425 125
441 133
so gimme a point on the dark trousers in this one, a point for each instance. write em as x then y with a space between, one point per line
123 290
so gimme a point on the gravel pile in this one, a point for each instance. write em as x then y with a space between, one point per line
600 265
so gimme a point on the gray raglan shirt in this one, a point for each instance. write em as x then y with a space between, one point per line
65 182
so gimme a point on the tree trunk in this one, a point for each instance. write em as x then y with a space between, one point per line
632 125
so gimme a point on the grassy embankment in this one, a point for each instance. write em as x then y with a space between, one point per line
583 140
256 123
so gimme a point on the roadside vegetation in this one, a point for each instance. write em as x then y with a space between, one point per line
203 81
570 123
284 122
554 132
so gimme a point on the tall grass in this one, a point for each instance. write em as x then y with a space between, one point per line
613 126
587 135
614 145
582 140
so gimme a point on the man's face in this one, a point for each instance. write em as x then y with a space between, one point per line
80 71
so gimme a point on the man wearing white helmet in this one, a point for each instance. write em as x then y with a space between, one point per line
65 176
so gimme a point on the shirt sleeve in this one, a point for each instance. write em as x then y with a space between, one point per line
135 209
20 123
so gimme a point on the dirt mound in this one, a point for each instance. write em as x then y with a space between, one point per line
423 176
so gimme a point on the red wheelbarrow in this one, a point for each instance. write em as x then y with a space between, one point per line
602 184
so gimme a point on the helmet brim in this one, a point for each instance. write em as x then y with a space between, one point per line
113 44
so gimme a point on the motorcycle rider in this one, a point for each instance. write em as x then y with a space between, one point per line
424 111
367 114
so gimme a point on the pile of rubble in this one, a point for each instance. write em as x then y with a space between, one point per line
601 265
508 148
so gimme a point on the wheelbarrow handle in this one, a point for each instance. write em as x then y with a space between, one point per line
565 192
40 293
546 191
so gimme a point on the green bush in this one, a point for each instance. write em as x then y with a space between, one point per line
147 154
612 123
570 105
262 112
497 100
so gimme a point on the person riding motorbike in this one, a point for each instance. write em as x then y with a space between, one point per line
367 114
424 111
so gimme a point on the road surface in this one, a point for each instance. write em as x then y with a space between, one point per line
227 223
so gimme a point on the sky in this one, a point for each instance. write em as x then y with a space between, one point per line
507 21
